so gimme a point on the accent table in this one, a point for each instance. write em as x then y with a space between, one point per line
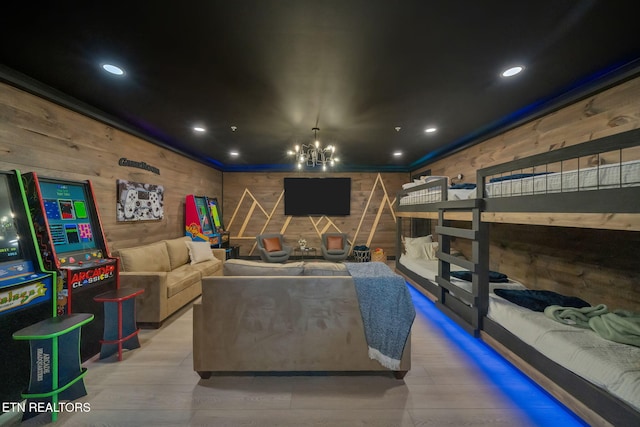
56 372
120 329
305 251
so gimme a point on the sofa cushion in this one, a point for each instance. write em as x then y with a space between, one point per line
325 269
199 252
208 268
241 267
335 242
178 252
272 244
181 279
152 257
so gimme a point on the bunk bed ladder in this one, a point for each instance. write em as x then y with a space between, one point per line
465 308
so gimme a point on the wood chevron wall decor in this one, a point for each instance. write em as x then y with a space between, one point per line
254 204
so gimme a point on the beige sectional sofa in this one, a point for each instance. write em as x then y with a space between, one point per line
166 273
295 317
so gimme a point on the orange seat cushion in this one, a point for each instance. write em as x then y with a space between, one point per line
272 244
334 242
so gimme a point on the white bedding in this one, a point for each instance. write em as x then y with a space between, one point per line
429 270
434 195
612 366
592 178
601 177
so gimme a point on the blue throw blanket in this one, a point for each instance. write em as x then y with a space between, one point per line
538 300
386 308
494 276
462 186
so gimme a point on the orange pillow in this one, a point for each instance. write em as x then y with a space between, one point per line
272 244
334 242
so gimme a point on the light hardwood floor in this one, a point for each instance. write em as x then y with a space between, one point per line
455 380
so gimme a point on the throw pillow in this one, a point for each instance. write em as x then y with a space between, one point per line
422 250
199 252
334 242
272 244
419 240
431 250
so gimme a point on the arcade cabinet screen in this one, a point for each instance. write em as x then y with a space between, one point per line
66 207
213 206
203 215
9 246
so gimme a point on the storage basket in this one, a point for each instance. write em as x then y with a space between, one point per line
379 256
362 256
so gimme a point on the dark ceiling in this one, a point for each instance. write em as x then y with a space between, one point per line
355 69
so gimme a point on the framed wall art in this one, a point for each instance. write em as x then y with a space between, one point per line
139 202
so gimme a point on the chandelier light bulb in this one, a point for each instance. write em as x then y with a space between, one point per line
313 154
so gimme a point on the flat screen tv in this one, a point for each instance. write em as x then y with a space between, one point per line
317 196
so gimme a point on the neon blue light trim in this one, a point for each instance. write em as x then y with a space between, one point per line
536 404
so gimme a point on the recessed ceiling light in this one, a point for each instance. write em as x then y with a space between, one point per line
113 69
430 130
234 153
397 153
199 129
509 72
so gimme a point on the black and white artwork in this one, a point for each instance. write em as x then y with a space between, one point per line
139 202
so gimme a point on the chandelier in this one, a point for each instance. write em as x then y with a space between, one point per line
313 154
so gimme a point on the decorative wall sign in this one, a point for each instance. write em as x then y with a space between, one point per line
139 202
141 165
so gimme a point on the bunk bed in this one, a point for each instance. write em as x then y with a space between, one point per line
595 184
423 199
591 185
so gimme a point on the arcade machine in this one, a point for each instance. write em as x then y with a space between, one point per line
27 292
214 210
70 234
199 224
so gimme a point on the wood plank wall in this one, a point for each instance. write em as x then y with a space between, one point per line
39 136
254 204
598 265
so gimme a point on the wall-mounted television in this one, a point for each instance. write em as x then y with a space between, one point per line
317 196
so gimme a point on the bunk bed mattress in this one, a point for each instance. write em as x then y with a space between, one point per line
612 366
434 195
593 178
429 270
